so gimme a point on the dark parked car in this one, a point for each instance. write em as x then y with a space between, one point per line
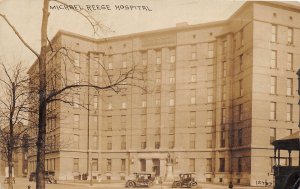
185 180
49 176
141 179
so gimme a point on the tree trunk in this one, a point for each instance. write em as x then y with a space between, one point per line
10 167
40 167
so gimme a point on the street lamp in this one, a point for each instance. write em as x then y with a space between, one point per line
298 73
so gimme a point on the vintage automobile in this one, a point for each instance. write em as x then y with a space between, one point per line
286 176
49 177
141 179
185 180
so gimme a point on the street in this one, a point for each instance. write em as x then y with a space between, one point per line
23 183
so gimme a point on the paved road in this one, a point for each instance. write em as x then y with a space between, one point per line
23 183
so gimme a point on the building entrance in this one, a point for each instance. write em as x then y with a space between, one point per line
156 167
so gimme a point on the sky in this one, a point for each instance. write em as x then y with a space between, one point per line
26 16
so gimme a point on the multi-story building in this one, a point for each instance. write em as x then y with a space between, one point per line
219 93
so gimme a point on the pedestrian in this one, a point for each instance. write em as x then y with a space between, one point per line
230 185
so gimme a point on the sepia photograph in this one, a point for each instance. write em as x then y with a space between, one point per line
149 94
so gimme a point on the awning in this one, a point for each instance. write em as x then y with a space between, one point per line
291 142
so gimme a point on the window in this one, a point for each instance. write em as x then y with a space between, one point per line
192 165
109 142
193 52
109 102
171 123
289 112
222 138
222 165
77 59
95 122
172 99
123 165
124 62
108 165
143 123
95 79
289 88
209 117
193 74
95 102
223 116
158 57
273 111
109 123
76 141
241 88
225 47
76 120
274 33
143 142
242 37
124 104
76 100
224 73
210 95
144 58
192 119
273 85
241 62
273 59
75 164
192 140
193 96
157 99
240 137
272 135
172 77
290 61
240 107
208 140
123 121
210 70
143 164
144 103
95 142
110 65
77 78
157 141
172 56
290 35
171 141
123 142
209 165
224 92
210 52
239 164
157 78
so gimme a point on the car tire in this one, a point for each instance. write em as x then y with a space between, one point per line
176 184
193 184
150 184
130 184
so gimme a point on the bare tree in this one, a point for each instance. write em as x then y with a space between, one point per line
13 113
47 96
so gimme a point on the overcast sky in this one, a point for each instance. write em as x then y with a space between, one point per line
26 17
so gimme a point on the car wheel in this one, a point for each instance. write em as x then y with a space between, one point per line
150 184
176 184
130 184
193 184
